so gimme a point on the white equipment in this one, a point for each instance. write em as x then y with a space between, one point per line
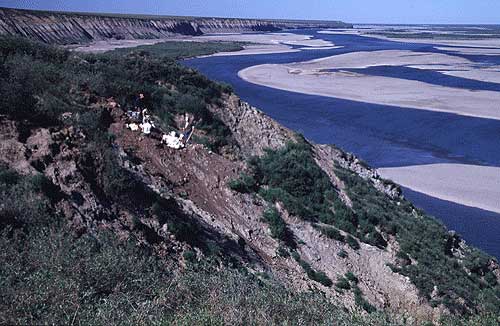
172 141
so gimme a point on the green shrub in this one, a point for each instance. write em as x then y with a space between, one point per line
189 256
24 200
276 223
351 277
278 227
8 177
317 276
342 253
244 184
462 282
291 176
362 302
331 233
353 243
321 277
283 252
343 284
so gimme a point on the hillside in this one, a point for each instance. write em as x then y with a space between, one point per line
76 28
101 224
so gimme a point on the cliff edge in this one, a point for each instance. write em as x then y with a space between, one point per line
75 28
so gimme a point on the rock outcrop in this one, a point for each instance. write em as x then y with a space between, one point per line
74 28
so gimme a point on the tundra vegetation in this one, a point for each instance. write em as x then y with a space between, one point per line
428 252
53 275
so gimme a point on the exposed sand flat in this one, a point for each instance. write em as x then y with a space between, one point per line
267 38
268 43
259 49
479 43
321 48
471 51
341 31
384 58
108 45
485 43
265 43
470 185
311 78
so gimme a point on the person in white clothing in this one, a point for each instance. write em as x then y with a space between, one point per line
146 128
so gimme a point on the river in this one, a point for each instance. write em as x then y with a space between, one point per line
382 135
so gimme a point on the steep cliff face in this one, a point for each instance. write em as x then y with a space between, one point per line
197 181
70 28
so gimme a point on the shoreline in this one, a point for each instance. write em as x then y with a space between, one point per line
468 185
261 43
313 78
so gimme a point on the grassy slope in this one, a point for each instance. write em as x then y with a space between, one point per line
49 275
463 283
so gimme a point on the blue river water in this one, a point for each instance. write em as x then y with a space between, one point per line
382 135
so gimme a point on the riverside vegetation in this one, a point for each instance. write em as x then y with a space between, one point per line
53 274
290 176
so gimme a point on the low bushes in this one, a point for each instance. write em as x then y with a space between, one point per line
331 233
462 283
343 284
48 274
25 200
291 176
39 82
276 224
244 184
317 276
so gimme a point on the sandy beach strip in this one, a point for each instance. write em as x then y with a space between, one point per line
268 38
262 43
108 45
377 90
268 43
470 50
314 78
385 58
482 43
257 49
469 185
367 32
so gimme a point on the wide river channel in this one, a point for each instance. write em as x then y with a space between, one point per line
381 135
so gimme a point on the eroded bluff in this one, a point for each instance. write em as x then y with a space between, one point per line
74 28
194 186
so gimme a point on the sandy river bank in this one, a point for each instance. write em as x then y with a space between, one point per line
470 185
325 77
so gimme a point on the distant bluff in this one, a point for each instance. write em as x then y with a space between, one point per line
71 28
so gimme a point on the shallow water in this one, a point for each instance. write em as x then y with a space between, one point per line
383 136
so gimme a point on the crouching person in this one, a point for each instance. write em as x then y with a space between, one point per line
172 141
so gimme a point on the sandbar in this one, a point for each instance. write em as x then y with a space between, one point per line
486 42
469 185
470 50
268 43
314 78
108 45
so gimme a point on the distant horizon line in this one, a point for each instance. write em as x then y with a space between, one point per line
234 17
